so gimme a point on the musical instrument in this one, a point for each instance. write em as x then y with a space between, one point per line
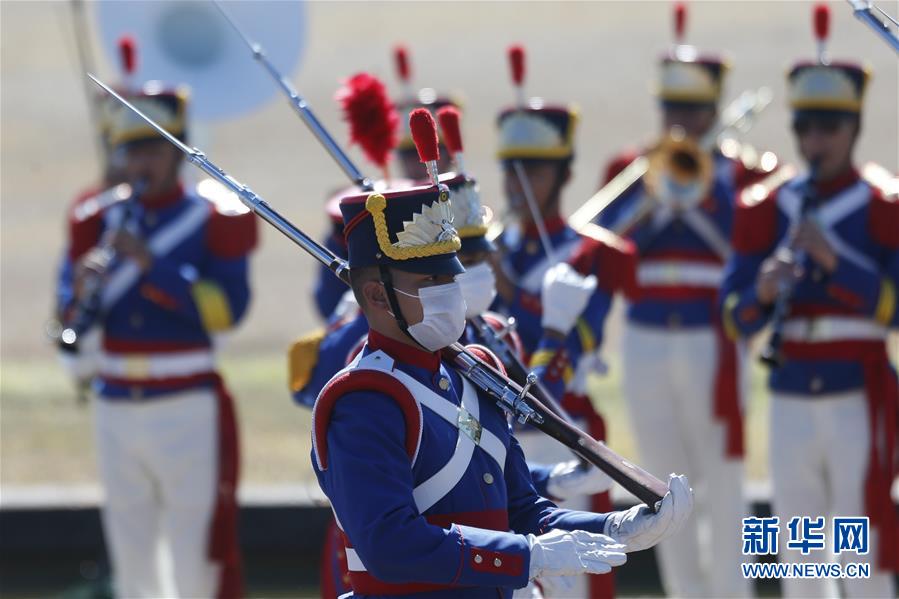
89 307
511 397
771 355
189 42
674 149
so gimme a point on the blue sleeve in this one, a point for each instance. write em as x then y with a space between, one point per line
376 509
554 362
328 288
529 513
216 295
540 478
741 313
865 291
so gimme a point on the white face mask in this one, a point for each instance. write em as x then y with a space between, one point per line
444 316
478 285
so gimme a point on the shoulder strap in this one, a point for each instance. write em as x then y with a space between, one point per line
358 378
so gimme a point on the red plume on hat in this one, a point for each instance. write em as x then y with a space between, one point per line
450 125
680 22
128 58
424 134
372 117
821 25
403 68
516 66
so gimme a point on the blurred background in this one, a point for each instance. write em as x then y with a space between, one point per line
600 55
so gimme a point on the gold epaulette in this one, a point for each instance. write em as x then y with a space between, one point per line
882 179
758 192
302 358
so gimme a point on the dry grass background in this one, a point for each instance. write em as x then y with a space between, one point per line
600 55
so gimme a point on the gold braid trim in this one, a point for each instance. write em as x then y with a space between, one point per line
375 204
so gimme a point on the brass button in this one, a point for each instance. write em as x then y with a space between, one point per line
488 478
531 247
136 320
497 562
478 559
816 384
443 383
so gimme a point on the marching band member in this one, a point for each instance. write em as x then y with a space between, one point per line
818 256
428 486
681 378
165 425
560 307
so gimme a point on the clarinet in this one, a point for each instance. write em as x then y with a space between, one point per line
87 310
772 355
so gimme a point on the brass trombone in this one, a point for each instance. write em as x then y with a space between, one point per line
678 162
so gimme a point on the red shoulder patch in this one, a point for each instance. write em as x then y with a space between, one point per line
613 259
485 355
884 218
755 213
363 380
231 235
884 211
85 217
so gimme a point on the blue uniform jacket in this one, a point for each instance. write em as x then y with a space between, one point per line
194 289
827 311
373 450
680 270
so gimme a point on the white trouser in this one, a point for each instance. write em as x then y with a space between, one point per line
158 464
668 384
819 457
540 448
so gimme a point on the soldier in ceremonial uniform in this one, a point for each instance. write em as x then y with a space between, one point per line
165 425
681 377
429 487
818 257
316 357
559 295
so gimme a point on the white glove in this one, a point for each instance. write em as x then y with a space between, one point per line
564 296
572 479
565 553
639 528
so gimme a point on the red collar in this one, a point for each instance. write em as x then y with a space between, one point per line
553 224
163 200
403 352
826 189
